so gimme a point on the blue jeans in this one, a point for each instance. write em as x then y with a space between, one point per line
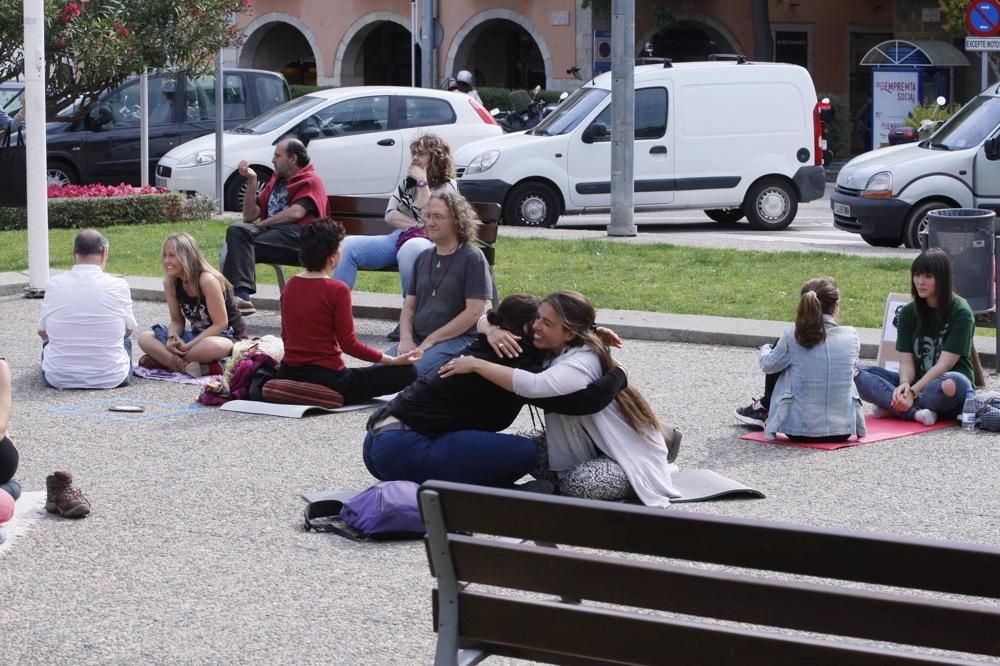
875 385
437 355
375 252
467 456
187 335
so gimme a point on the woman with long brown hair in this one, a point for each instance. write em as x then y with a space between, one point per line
809 392
204 318
617 453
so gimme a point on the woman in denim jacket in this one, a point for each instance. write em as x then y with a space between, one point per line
809 392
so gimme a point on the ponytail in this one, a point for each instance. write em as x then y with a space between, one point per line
819 297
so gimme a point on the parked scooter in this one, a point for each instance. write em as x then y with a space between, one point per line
527 112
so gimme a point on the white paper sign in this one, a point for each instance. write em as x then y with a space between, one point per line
894 94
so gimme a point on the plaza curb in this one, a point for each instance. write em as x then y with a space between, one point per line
629 324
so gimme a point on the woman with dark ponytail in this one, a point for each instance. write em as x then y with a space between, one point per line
809 392
616 453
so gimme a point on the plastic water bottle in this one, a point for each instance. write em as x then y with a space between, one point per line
969 412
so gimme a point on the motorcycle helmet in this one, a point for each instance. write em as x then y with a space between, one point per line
466 81
451 84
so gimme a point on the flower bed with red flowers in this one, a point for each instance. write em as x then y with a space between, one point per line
80 206
96 190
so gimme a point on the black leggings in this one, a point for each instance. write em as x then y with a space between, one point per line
8 460
355 384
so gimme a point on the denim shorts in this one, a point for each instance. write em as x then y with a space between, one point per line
160 331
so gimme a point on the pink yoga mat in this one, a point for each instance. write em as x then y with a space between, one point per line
878 429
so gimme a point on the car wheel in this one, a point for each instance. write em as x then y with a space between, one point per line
237 187
59 173
771 204
531 205
881 242
917 222
725 215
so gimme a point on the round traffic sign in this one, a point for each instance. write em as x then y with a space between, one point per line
983 17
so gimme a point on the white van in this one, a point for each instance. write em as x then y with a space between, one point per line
732 138
885 195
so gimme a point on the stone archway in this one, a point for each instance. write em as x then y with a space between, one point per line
501 31
693 37
374 51
281 42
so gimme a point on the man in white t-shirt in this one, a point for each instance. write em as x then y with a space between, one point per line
86 322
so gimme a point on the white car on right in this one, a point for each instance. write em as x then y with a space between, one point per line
734 138
885 195
358 139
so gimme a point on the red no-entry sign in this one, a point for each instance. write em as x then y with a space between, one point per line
983 18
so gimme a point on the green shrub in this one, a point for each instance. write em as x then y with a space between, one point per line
499 98
930 111
298 89
82 212
839 136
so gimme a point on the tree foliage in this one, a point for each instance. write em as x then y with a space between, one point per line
94 45
953 17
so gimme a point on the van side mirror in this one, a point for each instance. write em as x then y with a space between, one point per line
595 132
992 149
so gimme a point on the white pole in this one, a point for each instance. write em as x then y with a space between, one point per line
622 118
413 43
144 128
34 104
427 46
220 130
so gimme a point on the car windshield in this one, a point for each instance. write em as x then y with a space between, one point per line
10 98
571 112
970 126
280 115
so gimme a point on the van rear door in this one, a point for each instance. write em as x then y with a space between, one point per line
589 163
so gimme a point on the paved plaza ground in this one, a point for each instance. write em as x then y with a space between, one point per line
195 552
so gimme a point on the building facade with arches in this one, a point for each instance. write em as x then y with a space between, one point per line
523 43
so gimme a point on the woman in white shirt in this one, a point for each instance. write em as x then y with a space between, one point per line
617 453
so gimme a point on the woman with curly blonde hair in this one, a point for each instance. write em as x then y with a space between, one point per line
450 285
197 295
431 171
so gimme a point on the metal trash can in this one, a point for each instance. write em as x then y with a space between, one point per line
966 236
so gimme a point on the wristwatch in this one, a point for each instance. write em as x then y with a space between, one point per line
421 183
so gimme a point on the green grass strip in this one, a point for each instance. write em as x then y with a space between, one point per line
613 274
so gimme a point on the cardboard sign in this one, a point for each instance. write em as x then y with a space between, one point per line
888 357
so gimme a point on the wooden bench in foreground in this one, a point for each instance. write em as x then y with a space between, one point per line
365 216
463 521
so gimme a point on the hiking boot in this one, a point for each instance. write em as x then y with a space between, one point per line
62 498
394 334
753 414
245 307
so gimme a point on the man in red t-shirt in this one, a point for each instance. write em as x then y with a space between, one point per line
293 198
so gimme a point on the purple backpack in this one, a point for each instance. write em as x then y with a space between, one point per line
387 510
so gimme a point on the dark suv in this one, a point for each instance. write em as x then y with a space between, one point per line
103 146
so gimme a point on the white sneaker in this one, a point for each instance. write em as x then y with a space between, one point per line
925 416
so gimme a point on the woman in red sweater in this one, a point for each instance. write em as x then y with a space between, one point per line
317 327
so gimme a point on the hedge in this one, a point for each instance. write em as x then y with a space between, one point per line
499 98
81 212
298 89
